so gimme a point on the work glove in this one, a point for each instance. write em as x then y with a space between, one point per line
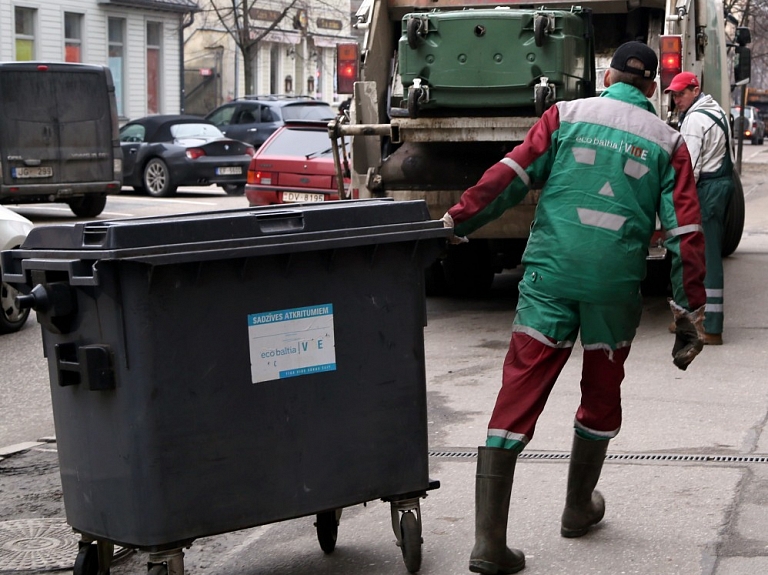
689 332
448 223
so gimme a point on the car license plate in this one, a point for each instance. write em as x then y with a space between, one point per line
36 172
302 197
229 171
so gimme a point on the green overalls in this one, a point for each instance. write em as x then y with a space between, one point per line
715 190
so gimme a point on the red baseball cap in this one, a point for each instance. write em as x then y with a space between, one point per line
682 81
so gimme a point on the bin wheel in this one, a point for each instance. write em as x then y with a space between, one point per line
87 560
327 526
541 101
414 95
158 570
413 33
410 542
539 28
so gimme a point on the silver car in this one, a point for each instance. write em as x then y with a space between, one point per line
751 125
13 230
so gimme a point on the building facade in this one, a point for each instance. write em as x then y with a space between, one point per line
140 41
294 54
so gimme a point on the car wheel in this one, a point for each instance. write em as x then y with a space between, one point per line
234 189
12 317
88 206
754 140
157 179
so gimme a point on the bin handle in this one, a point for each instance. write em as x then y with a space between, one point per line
288 221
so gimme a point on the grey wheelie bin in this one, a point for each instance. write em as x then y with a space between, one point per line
216 371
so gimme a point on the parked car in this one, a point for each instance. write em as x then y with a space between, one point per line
752 126
58 135
253 119
294 165
161 153
13 229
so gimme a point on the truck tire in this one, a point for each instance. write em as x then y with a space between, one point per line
435 283
468 269
88 206
734 218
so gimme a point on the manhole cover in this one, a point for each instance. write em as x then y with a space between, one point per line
37 545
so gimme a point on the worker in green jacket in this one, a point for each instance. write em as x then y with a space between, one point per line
610 165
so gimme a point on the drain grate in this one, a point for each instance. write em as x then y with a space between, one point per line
34 545
550 456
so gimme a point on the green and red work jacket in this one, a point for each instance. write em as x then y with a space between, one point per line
609 165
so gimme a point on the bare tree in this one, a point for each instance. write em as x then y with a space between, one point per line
754 15
234 16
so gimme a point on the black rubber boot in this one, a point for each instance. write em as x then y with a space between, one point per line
493 489
584 507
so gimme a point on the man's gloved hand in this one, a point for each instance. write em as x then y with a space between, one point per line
448 223
689 331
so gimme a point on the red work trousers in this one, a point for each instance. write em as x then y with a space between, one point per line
530 371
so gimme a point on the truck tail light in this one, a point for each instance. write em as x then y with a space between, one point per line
671 51
347 59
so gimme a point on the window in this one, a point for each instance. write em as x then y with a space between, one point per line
132 133
116 40
223 116
300 142
154 65
25 33
73 37
181 131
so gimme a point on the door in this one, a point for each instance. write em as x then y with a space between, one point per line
84 124
245 125
28 128
131 138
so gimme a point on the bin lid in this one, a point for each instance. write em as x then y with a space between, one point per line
245 232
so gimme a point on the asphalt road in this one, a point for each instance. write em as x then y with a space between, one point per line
686 482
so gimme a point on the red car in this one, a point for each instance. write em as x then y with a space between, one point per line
294 165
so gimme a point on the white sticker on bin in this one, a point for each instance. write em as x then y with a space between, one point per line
291 342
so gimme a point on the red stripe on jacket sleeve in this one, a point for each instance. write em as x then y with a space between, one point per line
496 178
687 210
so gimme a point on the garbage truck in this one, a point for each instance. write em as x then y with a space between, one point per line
447 87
